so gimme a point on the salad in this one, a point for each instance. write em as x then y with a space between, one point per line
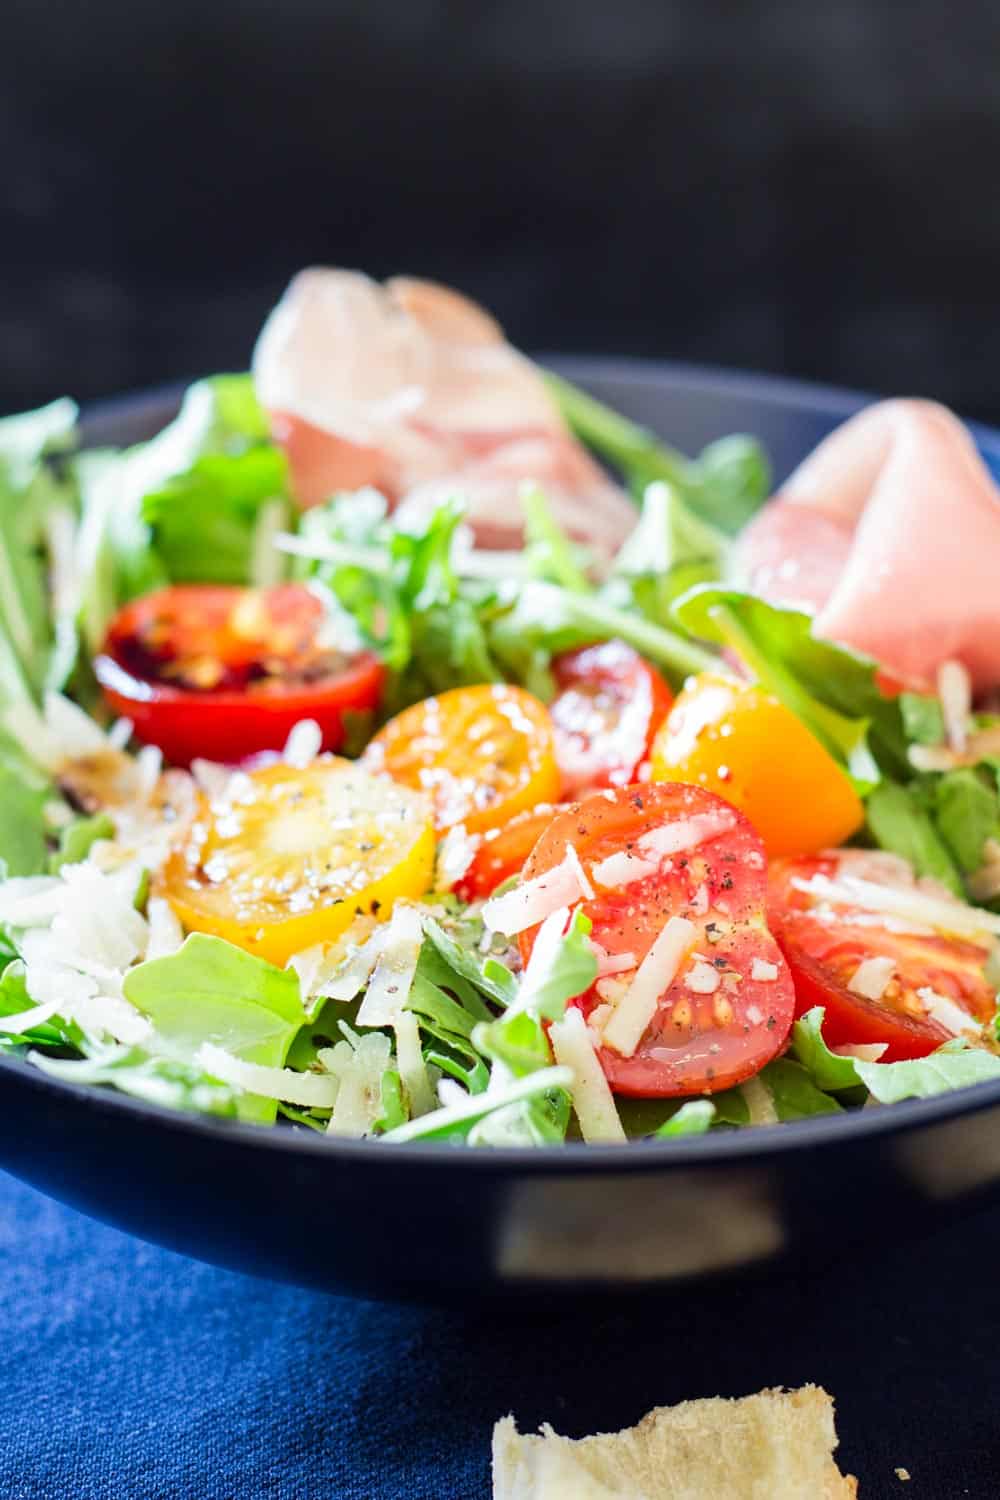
373 763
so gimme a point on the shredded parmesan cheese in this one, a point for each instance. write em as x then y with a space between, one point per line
702 979
862 1051
304 742
534 900
946 1012
654 975
686 833
308 1089
412 1068
622 868
955 691
392 977
872 977
591 1095
913 904
759 1102
762 971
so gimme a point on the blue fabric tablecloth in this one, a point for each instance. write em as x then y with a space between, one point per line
130 1373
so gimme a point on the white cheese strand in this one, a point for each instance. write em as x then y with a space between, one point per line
534 900
411 1065
392 977
592 1098
654 975
307 1089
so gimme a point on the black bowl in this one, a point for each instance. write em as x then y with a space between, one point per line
434 1222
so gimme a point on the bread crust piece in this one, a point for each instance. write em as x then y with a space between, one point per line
775 1445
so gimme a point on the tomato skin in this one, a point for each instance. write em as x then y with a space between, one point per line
697 1042
192 628
483 754
503 852
742 743
609 706
823 954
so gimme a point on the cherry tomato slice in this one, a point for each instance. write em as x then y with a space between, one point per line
482 754
503 851
825 945
610 704
728 1009
287 858
222 672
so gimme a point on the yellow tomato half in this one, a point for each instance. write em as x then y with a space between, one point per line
482 754
742 743
287 858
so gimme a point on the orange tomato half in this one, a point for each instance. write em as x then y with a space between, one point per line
482 754
743 744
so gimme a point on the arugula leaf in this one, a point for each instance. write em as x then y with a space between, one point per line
518 1041
724 486
211 991
156 1080
694 1117
555 977
14 999
832 690
900 823
967 813
455 1123
393 1100
491 977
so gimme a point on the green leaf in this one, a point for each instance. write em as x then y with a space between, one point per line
923 719
23 847
568 969
14 999
394 1111
77 839
920 1077
725 486
953 1066
898 822
831 690
490 977
794 1091
967 813
518 1041
204 521
156 1080
828 1070
211 991
548 550
693 1118
27 437
454 1124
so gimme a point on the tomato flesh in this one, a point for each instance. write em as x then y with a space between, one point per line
607 711
223 672
729 1007
824 947
503 852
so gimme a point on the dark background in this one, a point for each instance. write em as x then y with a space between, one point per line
778 185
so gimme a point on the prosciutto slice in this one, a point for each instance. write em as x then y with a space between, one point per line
412 388
889 533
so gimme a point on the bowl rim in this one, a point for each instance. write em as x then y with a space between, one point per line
718 1149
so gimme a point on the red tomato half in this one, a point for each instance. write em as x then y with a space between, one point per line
610 704
222 672
729 1007
503 851
824 947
